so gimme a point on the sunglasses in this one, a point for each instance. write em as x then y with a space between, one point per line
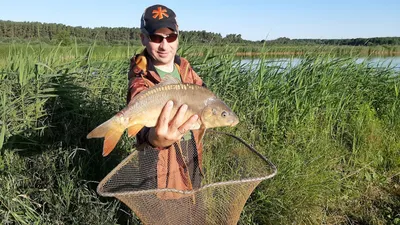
156 38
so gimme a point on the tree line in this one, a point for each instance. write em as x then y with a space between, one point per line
353 41
54 33
60 33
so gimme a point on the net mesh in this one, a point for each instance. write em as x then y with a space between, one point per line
230 171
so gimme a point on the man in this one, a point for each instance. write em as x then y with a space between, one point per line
169 153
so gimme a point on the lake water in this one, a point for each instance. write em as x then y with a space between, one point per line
392 62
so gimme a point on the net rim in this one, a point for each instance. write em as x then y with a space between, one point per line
190 192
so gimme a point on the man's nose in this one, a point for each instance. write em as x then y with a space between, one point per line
163 43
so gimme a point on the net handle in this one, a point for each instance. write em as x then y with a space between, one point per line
275 170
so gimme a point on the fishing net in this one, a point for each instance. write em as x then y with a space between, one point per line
230 171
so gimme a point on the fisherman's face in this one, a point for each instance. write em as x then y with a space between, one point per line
164 52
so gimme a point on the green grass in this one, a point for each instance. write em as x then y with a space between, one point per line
330 125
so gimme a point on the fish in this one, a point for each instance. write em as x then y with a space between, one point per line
144 109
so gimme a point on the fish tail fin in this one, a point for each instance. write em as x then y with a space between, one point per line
111 130
110 141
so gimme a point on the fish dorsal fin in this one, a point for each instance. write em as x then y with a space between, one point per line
168 79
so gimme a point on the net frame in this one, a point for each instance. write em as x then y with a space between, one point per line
249 183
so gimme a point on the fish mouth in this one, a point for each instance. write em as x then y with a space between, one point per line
234 123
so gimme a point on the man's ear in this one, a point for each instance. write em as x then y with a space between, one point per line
143 39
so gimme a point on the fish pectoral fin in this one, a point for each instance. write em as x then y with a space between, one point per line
133 130
110 141
202 131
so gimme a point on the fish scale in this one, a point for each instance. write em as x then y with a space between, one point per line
192 95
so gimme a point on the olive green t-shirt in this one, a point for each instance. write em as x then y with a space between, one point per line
174 73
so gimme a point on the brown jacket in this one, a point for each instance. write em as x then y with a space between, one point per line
170 171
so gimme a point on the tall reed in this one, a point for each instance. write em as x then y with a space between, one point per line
329 125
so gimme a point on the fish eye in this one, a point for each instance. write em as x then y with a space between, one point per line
224 114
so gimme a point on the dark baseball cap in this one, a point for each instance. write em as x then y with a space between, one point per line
156 17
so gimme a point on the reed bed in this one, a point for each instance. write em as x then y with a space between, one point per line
121 52
330 124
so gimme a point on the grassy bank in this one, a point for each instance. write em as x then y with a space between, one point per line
330 125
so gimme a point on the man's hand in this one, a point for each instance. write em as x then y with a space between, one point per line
166 132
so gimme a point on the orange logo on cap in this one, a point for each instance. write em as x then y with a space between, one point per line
160 13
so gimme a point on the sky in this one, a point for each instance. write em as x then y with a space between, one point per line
253 20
